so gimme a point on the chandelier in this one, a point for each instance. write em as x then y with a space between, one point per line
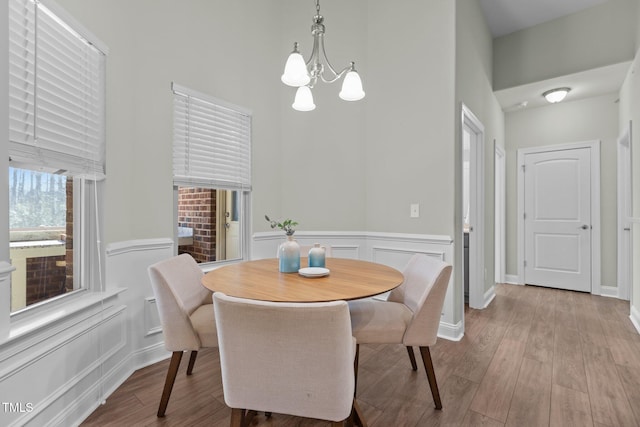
304 76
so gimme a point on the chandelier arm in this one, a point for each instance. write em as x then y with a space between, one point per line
324 55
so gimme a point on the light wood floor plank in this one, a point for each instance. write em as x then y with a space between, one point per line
569 408
498 373
568 364
609 403
493 398
532 395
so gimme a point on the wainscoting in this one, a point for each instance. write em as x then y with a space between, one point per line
392 249
59 366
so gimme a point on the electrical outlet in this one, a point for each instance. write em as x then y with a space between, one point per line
415 210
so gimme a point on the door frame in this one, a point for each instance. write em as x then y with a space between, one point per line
624 218
500 214
476 208
594 146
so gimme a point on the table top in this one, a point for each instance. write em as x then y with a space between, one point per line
260 280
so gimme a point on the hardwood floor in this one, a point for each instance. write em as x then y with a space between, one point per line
535 357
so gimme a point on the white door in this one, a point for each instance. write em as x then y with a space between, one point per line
557 219
228 230
624 214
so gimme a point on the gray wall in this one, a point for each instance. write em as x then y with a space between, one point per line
344 166
598 36
583 120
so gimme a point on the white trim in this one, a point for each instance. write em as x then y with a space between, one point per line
500 214
489 296
5 269
185 91
624 197
75 25
595 207
609 291
451 332
635 318
512 279
477 191
351 235
127 246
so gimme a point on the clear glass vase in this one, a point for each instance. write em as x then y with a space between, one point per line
289 255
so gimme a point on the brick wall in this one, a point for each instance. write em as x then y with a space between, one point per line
196 210
46 277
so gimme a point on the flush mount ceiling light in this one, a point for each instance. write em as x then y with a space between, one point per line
304 76
556 95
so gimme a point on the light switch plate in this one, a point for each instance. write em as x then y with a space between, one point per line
415 210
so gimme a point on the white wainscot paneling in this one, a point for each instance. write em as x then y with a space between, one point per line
392 249
127 266
48 374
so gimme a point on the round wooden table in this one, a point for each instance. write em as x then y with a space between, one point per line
260 280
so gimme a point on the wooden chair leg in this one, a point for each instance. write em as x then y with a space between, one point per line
237 417
192 361
431 375
356 415
355 370
168 382
412 358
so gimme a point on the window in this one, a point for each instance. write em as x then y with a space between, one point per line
56 152
211 176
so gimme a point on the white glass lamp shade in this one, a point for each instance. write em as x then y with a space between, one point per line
295 71
303 100
351 87
556 95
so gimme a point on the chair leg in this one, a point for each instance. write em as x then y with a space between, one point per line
412 358
237 417
168 383
431 375
356 415
355 370
192 361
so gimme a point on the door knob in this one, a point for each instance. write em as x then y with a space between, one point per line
584 226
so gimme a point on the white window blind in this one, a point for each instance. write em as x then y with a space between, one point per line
211 142
56 92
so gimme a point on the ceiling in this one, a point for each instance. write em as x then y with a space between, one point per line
506 16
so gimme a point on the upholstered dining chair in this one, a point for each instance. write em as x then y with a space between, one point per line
410 316
186 314
286 358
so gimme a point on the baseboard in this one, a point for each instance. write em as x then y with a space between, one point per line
511 279
489 296
102 389
450 331
609 291
635 318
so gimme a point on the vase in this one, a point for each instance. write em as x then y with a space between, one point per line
289 255
317 256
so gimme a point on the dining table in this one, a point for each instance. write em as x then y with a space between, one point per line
340 279
344 279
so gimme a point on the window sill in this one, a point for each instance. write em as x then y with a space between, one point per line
49 317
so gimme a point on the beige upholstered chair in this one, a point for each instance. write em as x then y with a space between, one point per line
410 316
286 358
186 314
